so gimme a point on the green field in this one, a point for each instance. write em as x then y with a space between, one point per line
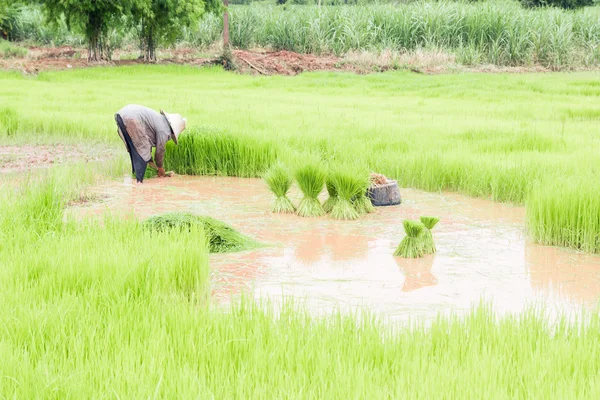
529 139
85 313
108 309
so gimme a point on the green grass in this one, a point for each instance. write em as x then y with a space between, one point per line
9 50
279 179
500 32
211 152
491 136
412 246
221 237
566 212
482 32
427 236
348 186
107 308
332 195
310 179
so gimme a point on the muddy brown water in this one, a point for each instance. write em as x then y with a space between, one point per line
483 251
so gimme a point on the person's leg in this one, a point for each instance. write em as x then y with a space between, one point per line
138 164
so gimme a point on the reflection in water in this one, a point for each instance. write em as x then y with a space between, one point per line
417 272
482 250
573 275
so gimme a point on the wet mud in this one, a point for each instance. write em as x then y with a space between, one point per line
483 251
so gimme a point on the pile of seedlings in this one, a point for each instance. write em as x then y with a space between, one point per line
310 179
221 237
346 188
279 179
419 239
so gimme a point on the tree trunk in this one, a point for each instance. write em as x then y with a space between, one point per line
150 46
94 33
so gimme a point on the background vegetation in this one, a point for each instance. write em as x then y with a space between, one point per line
486 32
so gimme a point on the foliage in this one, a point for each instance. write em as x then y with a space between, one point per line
310 178
428 242
331 193
94 18
279 180
348 186
9 16
206 151
566 4
160 21
9 50
221 237
522 130
412 244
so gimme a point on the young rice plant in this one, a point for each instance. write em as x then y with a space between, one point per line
279 180
412 245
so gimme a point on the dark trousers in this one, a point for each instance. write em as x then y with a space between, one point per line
138 165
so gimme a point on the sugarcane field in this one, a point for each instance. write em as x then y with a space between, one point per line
300 199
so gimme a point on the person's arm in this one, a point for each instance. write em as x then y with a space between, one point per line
159 156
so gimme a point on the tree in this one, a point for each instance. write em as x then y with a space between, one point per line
160 21
9 10
92 17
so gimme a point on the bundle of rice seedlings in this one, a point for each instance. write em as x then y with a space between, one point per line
279 179
412 245
310 179
428 244
332 192
222 238
348 187
361 202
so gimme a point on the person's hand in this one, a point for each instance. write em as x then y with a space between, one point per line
152 165
161 173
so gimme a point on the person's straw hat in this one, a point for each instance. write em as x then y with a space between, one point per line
176 122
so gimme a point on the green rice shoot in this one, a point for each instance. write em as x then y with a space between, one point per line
412 245
221 237
427 236
363 204
310 179
279 180
332 193
348 186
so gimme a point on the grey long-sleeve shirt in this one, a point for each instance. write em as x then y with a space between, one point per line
147 129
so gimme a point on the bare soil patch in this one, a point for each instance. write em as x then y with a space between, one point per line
22 158
262 62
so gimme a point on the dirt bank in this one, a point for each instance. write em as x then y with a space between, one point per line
28 157
260 62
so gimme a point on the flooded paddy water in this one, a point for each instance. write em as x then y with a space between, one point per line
483 251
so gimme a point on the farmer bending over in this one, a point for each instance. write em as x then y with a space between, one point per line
141 129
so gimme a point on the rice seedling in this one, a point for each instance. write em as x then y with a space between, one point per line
310 179
502 163
412 244
348 185
427 236
221 237
205 151
332 194
566 212
279 180
363 204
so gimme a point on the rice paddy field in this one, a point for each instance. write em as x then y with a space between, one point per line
104 308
